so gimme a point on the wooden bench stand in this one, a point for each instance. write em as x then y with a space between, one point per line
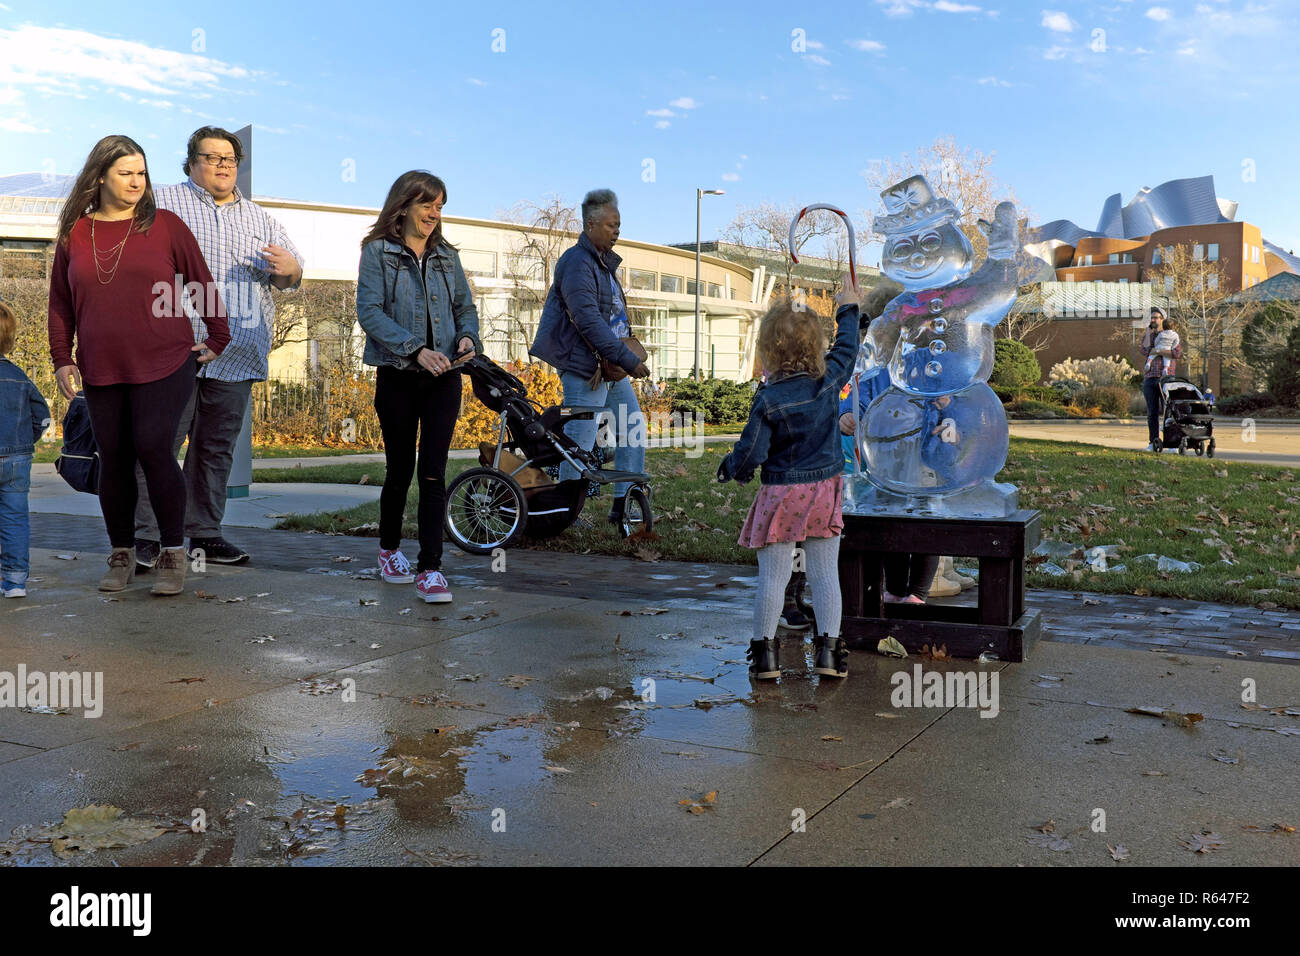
998 625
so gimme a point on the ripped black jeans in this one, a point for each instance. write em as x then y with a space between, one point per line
408 402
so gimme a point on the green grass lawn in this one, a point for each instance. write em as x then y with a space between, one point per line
1191 509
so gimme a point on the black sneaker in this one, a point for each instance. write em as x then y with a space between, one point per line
793 619
146 555
218 550
764 659
832 656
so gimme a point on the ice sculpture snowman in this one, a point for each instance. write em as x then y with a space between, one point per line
935 439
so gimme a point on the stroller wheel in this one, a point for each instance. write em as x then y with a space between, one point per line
1200 449
1182 446
1210 450
485 510
637 516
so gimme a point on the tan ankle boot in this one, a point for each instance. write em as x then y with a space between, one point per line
121 570
171 572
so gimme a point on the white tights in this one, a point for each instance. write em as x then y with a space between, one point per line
775 564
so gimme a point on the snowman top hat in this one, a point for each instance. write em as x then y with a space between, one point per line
912 205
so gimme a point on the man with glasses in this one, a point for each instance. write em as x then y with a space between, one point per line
247 252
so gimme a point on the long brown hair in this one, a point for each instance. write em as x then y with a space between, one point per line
412 187
84 197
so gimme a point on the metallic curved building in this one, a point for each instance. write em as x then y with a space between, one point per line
1174 205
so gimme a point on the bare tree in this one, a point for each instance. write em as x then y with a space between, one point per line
323 311
552 227
964 176
1027 322
767 227
1198 294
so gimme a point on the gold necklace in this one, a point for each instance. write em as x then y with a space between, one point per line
104 256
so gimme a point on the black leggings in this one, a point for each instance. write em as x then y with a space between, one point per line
137 422
910 574
406 401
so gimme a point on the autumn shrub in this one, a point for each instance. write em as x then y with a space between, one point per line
1110 399
1014 364
478 423
1114 370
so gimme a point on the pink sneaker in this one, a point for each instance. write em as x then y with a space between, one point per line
432 586
394 567
907 599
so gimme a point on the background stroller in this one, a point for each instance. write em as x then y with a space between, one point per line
1188 422
511 495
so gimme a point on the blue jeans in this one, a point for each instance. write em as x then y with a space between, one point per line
15 526
628 423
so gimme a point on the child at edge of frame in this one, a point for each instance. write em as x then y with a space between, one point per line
793 433
24 416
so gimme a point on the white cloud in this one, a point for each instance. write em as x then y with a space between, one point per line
819 60
946 6
17 124
475 81
662 124
660 112
744 155
867 46
1141 50
1058 21
1054 53
815 44
992 81
684 103
62 59
1188 50
1159 14
899 8
731 177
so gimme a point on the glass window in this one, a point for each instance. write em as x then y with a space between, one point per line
1245 251
690 287
669 283
715 290
478 263
1123 281
1113 259
1169 283
524 266
641 279
1254 253
1212 252
1155 256
1087 260
1198 252
1212 280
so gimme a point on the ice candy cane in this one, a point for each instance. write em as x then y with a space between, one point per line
853 275
794 255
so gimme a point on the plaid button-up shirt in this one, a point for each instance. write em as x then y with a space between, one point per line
231 237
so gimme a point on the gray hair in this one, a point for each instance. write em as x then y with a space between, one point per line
594 203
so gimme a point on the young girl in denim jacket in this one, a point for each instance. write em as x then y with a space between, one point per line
793 433
24 416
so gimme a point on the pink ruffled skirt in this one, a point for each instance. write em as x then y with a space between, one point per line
793 513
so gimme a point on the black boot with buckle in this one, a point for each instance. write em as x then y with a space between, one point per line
832 656
764 659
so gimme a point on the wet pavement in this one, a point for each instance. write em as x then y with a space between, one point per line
575 710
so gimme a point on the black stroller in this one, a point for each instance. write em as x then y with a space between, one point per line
511 495
1188 422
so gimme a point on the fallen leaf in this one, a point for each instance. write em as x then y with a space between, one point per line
897 803
553 769
100 826
1202 842
1118 853
1224 757
887 716
1048 827
935 654
187 680
1182 720
891 648
516 681
829 737
1154 773
1275 828
366 602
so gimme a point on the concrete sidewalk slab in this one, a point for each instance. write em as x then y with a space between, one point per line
581 774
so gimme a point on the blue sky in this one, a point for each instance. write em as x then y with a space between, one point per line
715 95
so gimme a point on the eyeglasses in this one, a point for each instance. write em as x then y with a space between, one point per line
216 159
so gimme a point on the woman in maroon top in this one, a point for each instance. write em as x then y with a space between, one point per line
119 268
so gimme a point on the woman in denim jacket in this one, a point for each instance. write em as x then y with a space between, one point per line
417 310
24 416
793 432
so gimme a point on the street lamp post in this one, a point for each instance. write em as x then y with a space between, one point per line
699 194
